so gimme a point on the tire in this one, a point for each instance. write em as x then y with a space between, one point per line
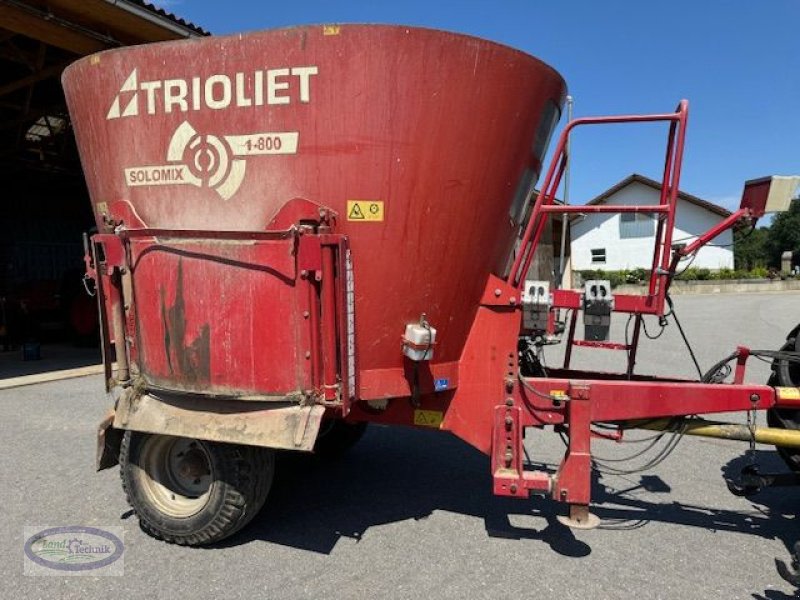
193 492
336 437
788 375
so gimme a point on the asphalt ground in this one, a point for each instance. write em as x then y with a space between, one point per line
409 513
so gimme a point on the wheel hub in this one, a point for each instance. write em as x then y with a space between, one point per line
176 474
192 465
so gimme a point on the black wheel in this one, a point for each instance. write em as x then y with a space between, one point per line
336 437
193 492
786 374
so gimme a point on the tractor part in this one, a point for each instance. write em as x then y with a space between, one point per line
579 517
751 481
790 572
193 492
787 374
783 438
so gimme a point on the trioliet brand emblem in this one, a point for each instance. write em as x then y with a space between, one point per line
217 162
268 87
213 161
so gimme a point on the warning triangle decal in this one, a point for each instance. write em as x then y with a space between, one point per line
355 212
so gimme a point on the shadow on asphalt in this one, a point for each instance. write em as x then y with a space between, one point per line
395 474
53 357
779 505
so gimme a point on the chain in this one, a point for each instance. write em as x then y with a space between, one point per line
752 415
86 280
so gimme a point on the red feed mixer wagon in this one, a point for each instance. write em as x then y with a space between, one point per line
305 230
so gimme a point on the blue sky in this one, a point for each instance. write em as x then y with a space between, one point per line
737 62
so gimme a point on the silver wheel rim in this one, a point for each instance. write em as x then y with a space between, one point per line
175 474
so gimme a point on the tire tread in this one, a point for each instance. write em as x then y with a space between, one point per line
245 488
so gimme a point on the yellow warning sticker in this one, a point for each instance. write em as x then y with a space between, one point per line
558 394
428 418
331 29
788 393
365 210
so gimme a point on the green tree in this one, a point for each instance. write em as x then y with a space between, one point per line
750 249
784 234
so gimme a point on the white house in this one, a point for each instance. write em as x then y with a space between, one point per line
614 241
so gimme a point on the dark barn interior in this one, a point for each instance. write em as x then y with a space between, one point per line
45 209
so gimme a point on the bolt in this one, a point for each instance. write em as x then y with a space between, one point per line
509 423
754 397
563 495
509 402
497 292
512 301
306 314
513 488
308 354
303 274
509 385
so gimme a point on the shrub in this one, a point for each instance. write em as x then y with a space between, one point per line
695 274
638 276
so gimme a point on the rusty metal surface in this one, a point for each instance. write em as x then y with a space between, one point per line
222 133
291 427
108 442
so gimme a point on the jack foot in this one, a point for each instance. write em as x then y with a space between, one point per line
579 517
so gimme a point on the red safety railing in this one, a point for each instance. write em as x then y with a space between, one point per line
545 206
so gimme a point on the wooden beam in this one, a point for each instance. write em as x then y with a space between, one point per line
11 52
130 28
33 115
45 73
53 32
6 35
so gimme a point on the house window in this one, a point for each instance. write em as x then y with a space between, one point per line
598 255
636 225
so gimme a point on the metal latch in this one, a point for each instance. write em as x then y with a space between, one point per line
536 303
598 304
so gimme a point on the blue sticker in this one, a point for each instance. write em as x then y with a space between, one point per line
441 384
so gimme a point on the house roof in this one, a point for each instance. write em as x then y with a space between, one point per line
636 178
170 16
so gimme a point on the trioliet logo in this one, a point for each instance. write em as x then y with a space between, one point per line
216 92
206 160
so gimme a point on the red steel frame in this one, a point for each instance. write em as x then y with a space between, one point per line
487 402
320 261
493 403
574 400
545 206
